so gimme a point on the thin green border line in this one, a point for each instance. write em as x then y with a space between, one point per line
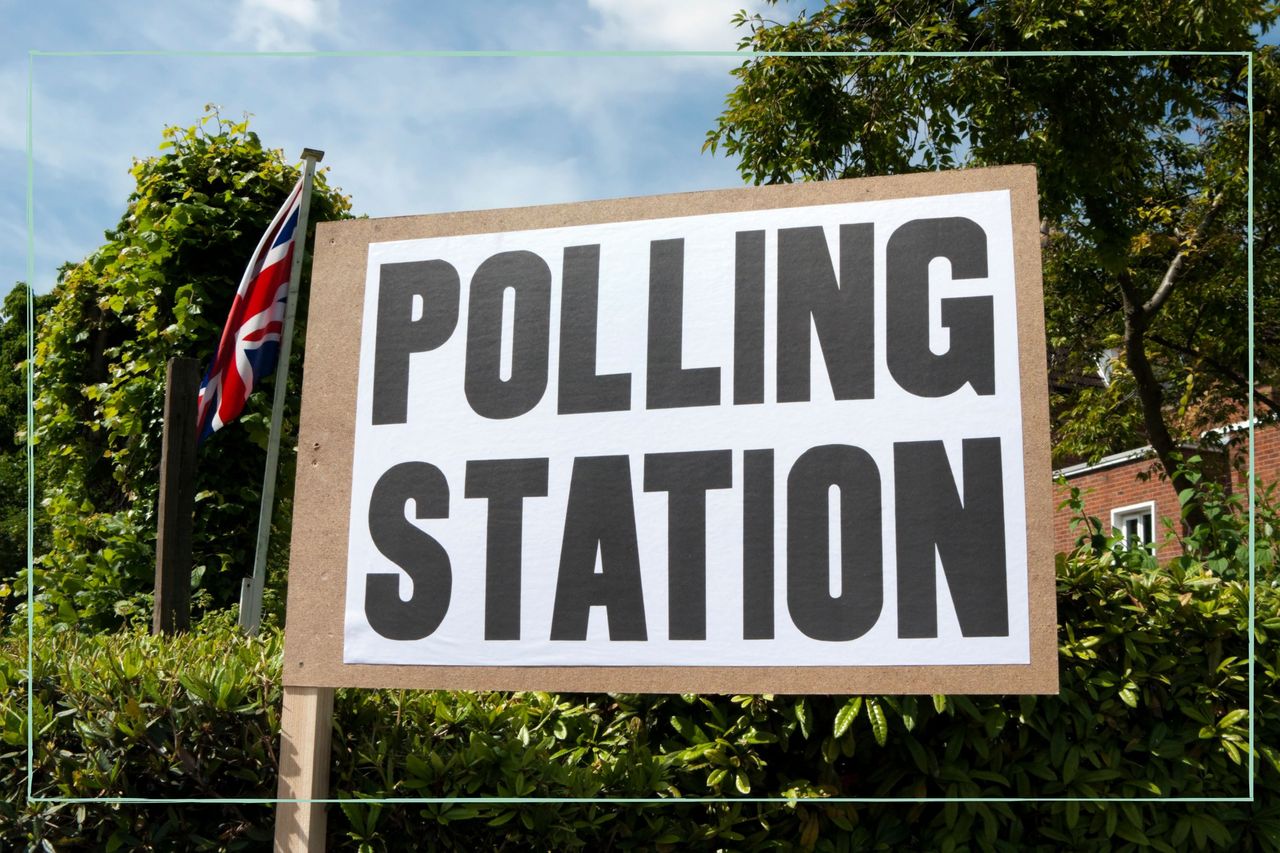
1253 758
31 457
648 800
504 54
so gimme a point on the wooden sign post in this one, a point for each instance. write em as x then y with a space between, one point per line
306 732
172 611
787 439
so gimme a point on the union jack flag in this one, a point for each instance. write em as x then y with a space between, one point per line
251 339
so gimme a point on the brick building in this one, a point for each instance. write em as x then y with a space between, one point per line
1129 492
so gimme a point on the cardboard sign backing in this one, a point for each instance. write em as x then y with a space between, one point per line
320 648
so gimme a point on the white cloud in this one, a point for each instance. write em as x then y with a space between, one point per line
404 135
284 24
415 135
512 178
668 24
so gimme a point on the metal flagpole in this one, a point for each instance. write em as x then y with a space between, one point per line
251 588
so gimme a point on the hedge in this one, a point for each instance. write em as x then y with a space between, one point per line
1153 703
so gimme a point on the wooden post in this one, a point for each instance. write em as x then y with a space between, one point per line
306 733
177 497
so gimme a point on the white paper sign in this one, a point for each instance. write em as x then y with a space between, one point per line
787 437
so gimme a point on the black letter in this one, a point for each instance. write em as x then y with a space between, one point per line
581 389
686 477
971 356
506 483
748 318
600 518
419 555
814 611
398 334
757 545
668 385
969 538
528 276
842 312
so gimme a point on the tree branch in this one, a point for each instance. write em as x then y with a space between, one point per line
1165 290
1151 400
1266 400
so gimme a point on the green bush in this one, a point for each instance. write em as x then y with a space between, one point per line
1153 703
13 437
131 715
159 287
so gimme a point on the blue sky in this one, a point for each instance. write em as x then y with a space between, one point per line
402 135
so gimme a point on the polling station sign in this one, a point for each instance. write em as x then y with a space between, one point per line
784 439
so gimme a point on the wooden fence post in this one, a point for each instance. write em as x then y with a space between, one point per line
306 735
172 610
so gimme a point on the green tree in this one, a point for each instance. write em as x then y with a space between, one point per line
1141 163
13 434
159 287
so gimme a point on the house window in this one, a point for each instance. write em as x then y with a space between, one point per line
1136 524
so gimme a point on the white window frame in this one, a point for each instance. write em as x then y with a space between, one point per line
1121 515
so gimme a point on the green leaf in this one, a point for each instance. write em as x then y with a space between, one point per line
879 725
846 715
802 717
1133 833
1232 717
918 754
1071 765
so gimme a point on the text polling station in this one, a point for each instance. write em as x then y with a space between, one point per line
786 430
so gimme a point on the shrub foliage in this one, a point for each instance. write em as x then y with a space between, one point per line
1154 702
159 287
